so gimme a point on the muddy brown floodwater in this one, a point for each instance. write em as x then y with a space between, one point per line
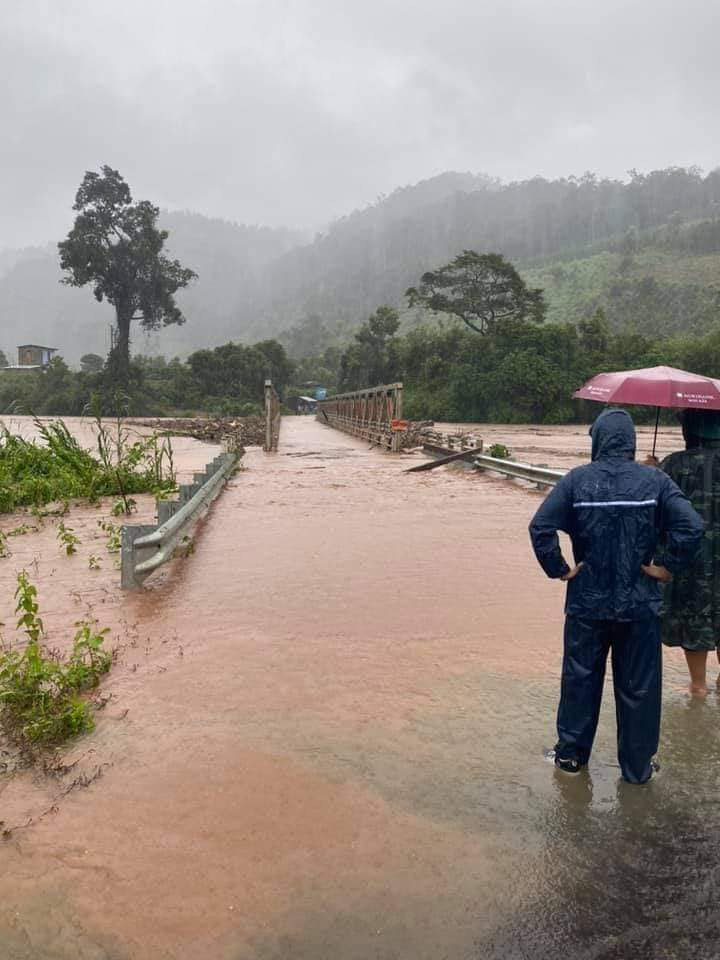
326 735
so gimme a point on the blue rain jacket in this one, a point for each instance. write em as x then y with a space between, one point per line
618 514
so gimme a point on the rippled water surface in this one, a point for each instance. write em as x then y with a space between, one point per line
326 738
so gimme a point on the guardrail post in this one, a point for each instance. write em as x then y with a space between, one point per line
145 547
131 533
165 509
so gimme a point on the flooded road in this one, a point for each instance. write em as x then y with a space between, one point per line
326 741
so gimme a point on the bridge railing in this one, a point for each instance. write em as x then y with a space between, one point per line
375 414
272 418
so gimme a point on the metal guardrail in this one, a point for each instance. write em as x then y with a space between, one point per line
541 475
146 547
375 414
272 418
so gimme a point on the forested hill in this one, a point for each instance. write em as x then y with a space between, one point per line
647 250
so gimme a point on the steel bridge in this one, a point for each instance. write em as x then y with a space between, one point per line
375 414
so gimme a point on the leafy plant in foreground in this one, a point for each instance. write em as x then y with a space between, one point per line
114 536
40 702
28 607
67 538
58 468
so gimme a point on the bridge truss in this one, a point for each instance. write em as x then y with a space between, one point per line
375 414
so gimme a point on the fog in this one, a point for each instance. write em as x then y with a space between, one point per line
292 113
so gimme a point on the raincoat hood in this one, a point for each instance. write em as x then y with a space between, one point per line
613 435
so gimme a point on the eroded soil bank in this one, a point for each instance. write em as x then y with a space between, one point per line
326 740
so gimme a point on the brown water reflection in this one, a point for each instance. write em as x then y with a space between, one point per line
327 734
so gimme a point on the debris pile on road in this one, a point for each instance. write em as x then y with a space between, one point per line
451 442
233 432
415 434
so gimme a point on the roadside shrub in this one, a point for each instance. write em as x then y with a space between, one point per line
40 691
58 468
500 451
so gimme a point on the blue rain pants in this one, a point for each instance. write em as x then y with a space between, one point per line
637 668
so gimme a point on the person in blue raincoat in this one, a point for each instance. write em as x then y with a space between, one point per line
616 512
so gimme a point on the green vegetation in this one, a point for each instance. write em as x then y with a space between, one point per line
67 539
58 468
539 225
522 372
500 451
655 291
113 534
225 381
40 691
372 357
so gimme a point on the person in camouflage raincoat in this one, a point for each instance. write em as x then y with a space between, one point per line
691 602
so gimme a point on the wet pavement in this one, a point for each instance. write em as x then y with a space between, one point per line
326 736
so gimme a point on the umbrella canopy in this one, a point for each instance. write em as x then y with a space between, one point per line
653 387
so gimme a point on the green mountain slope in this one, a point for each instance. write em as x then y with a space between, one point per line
655 292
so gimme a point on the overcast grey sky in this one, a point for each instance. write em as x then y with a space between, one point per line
295 111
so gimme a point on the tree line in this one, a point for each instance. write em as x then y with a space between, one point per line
224 381
491 357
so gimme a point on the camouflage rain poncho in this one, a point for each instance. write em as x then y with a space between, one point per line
691 604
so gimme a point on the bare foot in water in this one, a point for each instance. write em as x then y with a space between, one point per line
698 690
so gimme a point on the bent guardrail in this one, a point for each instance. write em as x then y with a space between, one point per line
375 414
146 547
541 475
272 418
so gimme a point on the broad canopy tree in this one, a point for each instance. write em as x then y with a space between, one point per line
483 290
117 246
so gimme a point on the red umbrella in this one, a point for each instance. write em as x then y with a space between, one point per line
654 387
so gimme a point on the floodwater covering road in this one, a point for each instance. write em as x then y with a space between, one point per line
326 741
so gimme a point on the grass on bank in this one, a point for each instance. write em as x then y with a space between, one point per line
58 468
41 692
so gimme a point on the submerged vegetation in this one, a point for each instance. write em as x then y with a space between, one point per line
41 692
58 468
